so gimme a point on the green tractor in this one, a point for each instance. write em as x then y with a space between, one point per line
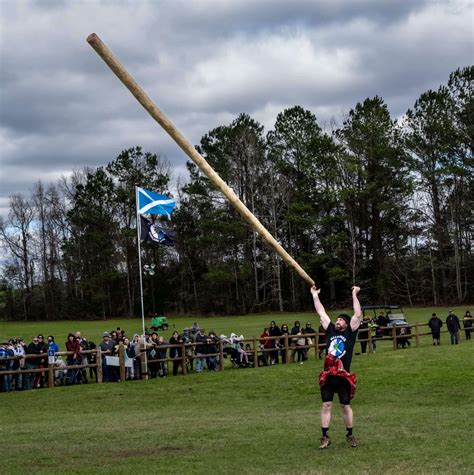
159 323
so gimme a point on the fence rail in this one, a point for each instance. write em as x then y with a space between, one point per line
187 353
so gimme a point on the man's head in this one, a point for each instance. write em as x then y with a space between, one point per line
78 335
342 322
106 336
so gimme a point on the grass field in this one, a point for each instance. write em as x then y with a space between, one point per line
413 413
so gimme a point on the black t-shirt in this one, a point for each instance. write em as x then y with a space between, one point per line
341 344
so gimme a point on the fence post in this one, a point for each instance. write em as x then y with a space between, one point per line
143 359
417 335
255 353
221 355
394 337
122 362
50 375
286 348
98 360
183 357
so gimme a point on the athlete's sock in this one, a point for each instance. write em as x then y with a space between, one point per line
349 431
325 431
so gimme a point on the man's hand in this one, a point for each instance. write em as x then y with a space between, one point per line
355 290
324 318
314 291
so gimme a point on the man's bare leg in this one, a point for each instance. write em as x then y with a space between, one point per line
348 417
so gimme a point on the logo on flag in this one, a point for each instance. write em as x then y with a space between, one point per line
154 232
154 203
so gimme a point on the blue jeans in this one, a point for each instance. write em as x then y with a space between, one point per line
30 377
454 337
211 363
5 382
71 373
199 362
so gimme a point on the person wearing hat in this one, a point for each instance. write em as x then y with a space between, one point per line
454 325
336 377
107 347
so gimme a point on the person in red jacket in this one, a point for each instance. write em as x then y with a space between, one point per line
73 347
265 344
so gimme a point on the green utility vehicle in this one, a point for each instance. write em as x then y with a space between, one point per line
159 322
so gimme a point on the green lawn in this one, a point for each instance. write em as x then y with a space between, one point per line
413 414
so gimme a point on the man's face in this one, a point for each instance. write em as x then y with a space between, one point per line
341 324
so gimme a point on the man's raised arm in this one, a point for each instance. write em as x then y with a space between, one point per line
356 318
324 317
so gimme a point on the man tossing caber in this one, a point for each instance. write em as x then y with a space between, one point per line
336 377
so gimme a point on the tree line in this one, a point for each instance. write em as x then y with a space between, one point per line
382 202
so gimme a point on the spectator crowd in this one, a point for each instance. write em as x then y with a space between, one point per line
152 356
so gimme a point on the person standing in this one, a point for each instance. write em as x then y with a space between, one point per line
308 330
467 323
453 324
19 363
5 365
33 348
106 347
74 351
175 352
321 342
435 325
284 331
336 377
364 334
265 345
274 330
296 330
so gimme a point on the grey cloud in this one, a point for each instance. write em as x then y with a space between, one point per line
204 62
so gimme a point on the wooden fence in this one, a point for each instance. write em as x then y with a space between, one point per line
187 352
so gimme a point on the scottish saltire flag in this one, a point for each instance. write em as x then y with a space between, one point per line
154 232
151 202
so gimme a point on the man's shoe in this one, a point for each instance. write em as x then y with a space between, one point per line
351 440
325 442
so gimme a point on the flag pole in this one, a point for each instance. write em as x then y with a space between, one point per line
140 260
141 278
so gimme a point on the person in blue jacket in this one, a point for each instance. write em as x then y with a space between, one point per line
52 345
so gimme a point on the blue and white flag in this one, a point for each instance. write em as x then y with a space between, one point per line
150 202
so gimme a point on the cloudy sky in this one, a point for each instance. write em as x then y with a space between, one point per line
204 62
